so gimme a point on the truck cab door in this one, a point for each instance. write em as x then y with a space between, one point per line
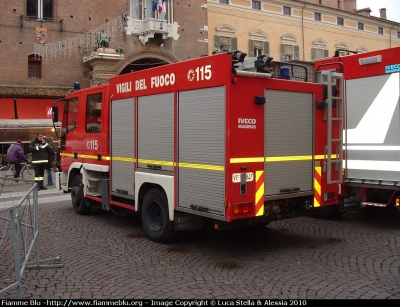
94 144
70 134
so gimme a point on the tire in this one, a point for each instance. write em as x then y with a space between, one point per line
8 175
81 205
28 173
155 217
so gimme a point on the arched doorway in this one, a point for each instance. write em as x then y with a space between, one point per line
141 64
144 59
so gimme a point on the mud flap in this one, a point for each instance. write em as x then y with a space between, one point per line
185 221
105 194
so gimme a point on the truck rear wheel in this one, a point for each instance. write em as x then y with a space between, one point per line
155 217
80 204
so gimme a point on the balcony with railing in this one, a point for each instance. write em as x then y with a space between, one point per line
149 18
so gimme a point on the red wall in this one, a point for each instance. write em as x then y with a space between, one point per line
7 108
30 108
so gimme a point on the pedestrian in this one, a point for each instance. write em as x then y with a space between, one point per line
50 163
41 151
15 155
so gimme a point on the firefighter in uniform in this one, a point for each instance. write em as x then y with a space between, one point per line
41 151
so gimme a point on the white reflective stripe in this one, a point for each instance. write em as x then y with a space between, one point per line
393 166
376 148
37 147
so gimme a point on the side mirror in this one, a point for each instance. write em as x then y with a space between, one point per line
54 113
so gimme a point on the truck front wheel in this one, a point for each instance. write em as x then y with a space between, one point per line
155 217
80 204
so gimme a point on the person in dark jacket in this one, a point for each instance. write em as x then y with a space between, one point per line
49 164
15 155
41 152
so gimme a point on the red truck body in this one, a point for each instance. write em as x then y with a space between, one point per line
199 142
371 164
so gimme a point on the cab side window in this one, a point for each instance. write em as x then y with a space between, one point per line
72 113
93 113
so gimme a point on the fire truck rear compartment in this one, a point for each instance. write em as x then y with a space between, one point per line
288 153
201 148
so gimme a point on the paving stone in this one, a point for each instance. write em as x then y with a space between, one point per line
108 256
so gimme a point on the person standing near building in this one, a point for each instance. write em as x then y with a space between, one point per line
41 152
51 159
15 155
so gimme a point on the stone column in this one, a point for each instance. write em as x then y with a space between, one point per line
103 62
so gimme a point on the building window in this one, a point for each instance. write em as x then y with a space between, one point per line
317 53
259 48
224 44
34 66
317 16
224 1
286 10
39 9
398 34
360 26
320 1
380 30
257 52
256 5
340 21
290 53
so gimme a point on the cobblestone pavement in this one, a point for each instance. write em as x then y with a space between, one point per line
106 256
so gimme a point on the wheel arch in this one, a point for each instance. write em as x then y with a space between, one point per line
73 171
145 182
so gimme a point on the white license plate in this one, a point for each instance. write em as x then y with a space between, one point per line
236 177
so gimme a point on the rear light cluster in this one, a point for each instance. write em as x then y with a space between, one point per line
329 196
243 208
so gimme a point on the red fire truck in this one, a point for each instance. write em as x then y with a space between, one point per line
209 141
371 160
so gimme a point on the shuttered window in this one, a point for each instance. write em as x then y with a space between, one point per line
34 66
317 53
224 44
257 48
290 52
